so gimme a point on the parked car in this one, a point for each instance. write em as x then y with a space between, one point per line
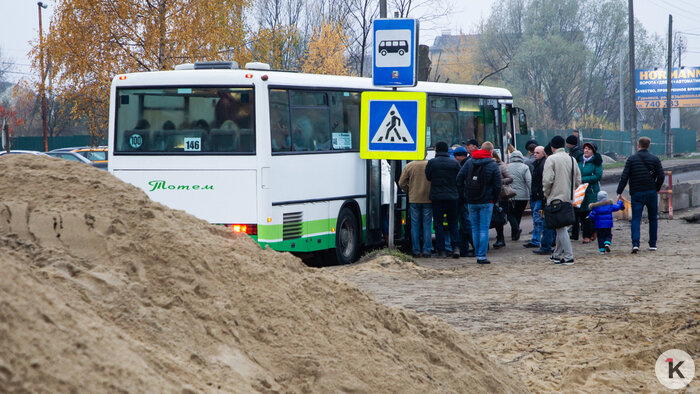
30 152
95 156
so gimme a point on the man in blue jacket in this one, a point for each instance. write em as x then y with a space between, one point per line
442 171
645 175
480 180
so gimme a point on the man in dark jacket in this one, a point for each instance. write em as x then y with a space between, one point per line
442 171
572 143
530 158
645 175
465 226
480 180
548 234
537 198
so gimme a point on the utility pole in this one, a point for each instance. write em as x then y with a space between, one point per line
392 165
622 93
669 68
5 136
633 98
41 5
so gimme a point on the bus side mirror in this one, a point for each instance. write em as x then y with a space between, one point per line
522 121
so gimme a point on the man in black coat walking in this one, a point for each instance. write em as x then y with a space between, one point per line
442 171
645 175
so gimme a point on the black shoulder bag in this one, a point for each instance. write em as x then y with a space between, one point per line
558 213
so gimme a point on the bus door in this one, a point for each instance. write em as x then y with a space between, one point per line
520 121
506 127
373 234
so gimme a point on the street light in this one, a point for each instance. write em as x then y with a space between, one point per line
41 5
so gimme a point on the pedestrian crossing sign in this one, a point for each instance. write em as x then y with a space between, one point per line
393 125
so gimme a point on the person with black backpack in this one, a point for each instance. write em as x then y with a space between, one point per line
480 181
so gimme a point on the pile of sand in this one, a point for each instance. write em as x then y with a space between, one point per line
102 289
389 265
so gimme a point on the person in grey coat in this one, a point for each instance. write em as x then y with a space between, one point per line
522 178
559 171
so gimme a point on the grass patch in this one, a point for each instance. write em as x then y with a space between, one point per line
386 252
618 164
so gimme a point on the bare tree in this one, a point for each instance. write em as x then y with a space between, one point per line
361 14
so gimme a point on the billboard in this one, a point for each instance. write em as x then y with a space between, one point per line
650 87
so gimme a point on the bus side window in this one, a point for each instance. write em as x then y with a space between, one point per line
489 123
279 121
310 120
443 120
345 120
310 130
469 113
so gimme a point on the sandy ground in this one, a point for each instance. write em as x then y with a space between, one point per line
103 290
596 326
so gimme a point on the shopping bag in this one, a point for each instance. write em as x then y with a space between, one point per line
579 193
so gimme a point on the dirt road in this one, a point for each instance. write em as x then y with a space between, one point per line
597 325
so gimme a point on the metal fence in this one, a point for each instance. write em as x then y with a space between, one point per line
619 141
37 143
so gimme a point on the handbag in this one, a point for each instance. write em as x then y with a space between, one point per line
507 192
498 217
558 213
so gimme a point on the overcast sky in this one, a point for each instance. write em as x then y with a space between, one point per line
20 25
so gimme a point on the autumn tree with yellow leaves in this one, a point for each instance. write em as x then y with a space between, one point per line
89 42
326 52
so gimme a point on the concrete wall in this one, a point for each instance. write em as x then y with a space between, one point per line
685 195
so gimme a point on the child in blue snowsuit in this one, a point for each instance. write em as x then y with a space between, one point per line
601 213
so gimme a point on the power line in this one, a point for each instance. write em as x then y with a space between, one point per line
683 12
690 34
19 72
17 64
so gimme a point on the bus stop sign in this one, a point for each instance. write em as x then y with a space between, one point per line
393 125
395 55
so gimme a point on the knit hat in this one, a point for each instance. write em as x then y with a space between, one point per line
591 145
472 142
531 142
460 151
548 150
557 142
442 147
572 140
602 195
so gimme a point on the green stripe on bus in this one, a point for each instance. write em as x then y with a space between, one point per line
310 244
275 231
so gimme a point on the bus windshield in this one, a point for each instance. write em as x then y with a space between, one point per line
187 120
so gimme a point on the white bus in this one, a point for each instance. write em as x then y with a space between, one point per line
275 154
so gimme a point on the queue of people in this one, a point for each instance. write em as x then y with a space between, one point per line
471 190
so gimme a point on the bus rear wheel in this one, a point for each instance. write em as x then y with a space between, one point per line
347 237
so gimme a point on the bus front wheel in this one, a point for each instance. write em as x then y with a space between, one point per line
347 237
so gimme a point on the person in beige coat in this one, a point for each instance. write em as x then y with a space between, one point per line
556 184
414 182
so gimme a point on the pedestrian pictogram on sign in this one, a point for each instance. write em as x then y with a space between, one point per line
393 129
393 125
